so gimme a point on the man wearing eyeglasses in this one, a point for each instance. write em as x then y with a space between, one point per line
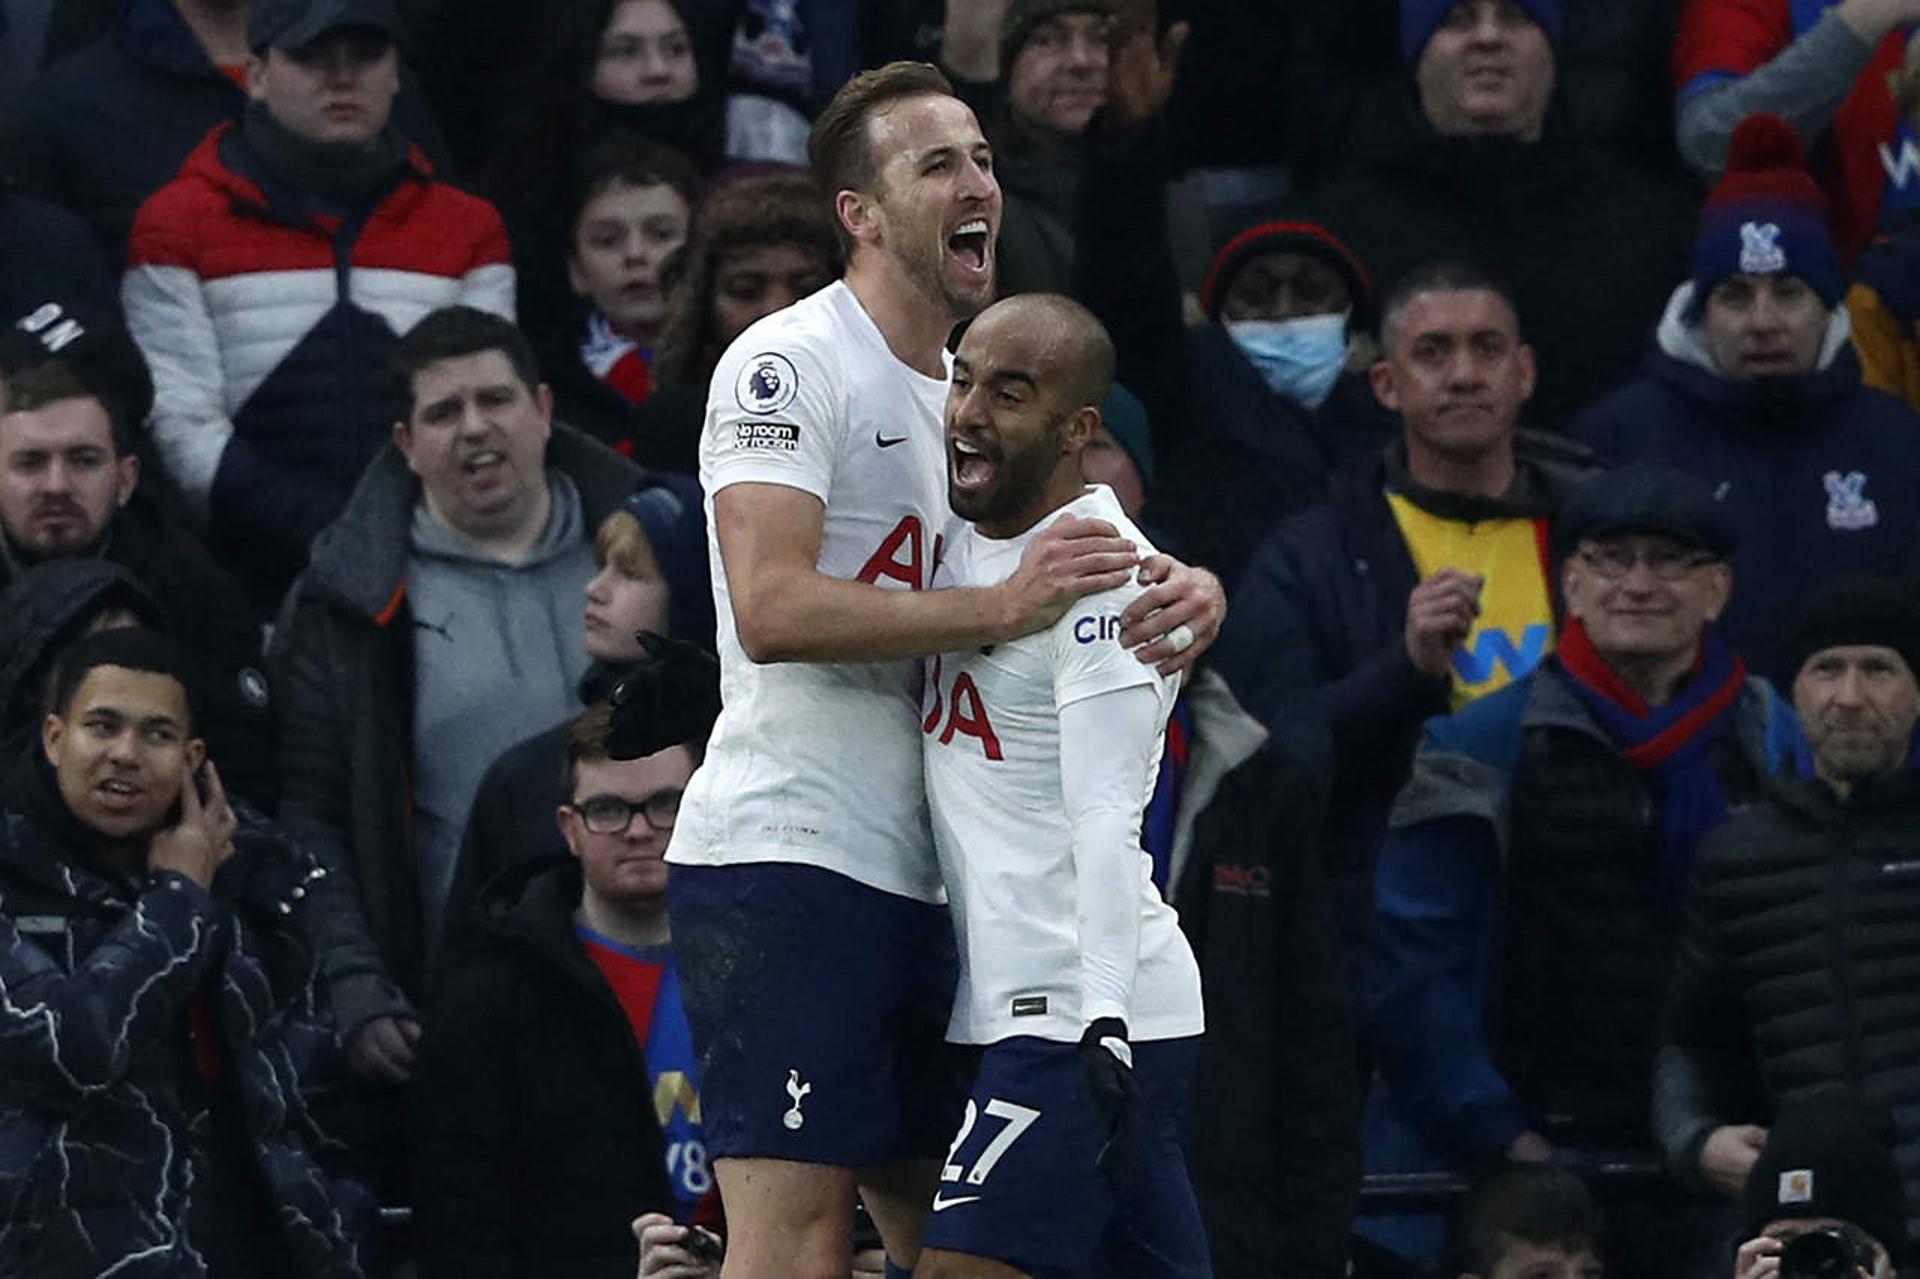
557 1095
1529 893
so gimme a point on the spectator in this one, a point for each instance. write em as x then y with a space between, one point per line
1037 84
1825 69
74 397
557 1095
1760 1018
596 70
1574 797
632 208
761 242
1483 172
1611 82
267 361
651 554
440 617
1253 410
159 1020
1529 1219
47 252
1274 1137
1755 391
1827 1171
111 123
1421 583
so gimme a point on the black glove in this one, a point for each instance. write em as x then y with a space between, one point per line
1106 1067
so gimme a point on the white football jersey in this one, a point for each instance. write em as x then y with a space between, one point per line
1000 823
819 763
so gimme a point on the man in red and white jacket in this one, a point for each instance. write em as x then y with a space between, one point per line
269 281
1822 66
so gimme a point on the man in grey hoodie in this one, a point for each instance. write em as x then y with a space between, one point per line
438 623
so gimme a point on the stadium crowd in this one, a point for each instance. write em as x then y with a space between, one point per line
1407 544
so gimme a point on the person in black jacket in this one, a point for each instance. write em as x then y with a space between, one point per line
1591 243
159 1026
1254 409
74 395
1275 1138
1754 388
1799 957
556 1098
1359 619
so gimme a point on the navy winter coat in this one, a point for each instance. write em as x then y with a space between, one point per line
1820 474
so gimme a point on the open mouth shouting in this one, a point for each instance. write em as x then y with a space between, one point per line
969 245
970 469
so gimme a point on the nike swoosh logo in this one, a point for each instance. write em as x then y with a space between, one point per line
886 443
941 1205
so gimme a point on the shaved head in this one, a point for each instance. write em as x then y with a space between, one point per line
1078 350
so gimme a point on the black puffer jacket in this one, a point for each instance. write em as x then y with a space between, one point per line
537 1140
1800 967
112 1141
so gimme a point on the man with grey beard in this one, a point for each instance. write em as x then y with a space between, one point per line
1799 953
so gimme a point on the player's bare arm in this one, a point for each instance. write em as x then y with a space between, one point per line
786 610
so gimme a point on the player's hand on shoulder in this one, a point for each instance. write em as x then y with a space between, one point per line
1106 1067
1177 618
1071 558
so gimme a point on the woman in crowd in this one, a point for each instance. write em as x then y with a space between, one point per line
763 240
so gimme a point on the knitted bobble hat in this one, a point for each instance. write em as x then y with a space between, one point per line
1767 216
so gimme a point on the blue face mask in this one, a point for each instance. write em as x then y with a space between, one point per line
1300 359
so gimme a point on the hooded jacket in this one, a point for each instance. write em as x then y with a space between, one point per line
202 606
39 617
1818 473
537 1137
343 660
1589 245
125 1149
104 128
268 329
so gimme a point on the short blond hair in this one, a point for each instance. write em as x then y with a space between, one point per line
621 542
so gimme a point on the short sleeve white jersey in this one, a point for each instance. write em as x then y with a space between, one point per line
1000 823
819 763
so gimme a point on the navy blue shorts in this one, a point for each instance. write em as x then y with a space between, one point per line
819 1009
1022 1184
